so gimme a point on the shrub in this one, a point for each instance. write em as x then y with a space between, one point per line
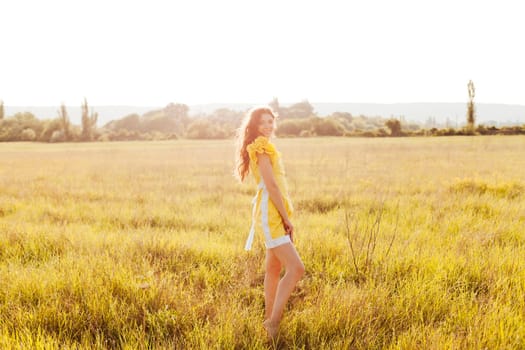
50 127
203 129
328 127
57 136
28 135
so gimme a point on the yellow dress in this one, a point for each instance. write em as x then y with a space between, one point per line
263 209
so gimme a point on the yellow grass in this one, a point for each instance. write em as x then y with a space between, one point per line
413 243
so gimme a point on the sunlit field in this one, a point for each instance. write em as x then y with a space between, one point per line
408 243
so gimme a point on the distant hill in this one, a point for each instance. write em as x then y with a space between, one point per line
496 114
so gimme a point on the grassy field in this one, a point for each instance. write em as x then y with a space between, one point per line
408 243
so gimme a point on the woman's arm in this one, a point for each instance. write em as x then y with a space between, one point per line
265 168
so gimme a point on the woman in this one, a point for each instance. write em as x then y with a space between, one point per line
272 207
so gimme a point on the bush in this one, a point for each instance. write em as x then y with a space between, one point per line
305 133
512 130
447 132
50 126
104 138
203 129
57 136
295 127
328 127
291 127
13 127
28 135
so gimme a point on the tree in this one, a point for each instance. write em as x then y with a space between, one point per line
227 119
130 122
303 109
89 122
344 118
178 113
2 111
395 127
471 112
177 110
171 119
64 122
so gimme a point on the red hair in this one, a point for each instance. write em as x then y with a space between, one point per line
246 134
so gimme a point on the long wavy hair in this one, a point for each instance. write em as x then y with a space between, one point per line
246 134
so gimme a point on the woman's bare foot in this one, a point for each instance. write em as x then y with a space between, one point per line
271 328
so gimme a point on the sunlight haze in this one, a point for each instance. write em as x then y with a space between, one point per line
152 53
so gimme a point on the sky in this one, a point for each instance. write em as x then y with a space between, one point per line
151 53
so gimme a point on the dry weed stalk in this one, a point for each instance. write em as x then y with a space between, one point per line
363 242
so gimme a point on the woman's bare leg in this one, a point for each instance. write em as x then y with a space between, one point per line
271 281
294 270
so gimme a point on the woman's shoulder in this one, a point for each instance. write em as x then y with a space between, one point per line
261 145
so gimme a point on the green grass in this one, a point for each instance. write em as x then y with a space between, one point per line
411 243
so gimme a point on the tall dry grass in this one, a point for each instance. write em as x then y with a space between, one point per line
408 243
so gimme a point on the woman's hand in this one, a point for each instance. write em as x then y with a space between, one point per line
288 227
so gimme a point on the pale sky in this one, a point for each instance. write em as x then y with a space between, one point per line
151 53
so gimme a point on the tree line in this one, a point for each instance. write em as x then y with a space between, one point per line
26 127
174 121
